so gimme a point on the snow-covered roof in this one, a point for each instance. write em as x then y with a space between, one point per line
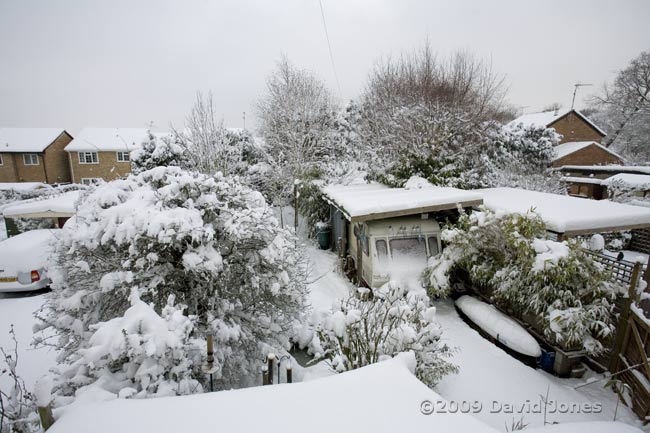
546 118
566 214
564 149
376 201
383 397
640 169
54 206
22 186
633 180
27 139
107 139
590 180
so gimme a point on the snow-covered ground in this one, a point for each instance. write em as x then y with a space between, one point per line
17 310
487 374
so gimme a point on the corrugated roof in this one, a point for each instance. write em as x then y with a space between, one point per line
375 201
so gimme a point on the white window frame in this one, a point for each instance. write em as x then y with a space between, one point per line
90 180
2 161
122 154
84 157
31 156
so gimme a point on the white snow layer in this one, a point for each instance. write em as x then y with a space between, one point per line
563 213
22 186
545 118
383 397
27 139
609 168
62 205
564 149
107 140
368 199
632 180
26 251
499 326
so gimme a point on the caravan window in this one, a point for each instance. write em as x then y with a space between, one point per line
433 245
408 248
382 251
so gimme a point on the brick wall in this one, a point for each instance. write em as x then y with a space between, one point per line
108 168
56 160
29 173
7 169
573 128
590 155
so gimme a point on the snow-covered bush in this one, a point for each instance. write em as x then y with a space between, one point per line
509 257
209 241
369 327
161 151
140 353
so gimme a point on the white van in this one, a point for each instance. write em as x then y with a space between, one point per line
393 246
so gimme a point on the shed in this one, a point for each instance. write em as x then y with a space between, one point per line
369 221
375 201
565 215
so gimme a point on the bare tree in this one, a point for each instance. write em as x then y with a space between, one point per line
628 97
208 146
460 82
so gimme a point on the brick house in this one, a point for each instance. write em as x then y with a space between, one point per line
580 138
34 155
103 153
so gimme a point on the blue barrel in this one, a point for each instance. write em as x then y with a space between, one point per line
547 360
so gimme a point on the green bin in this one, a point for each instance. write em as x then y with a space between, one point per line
324 236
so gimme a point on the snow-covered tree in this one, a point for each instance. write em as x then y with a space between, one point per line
210 242
158 151
209 147
296 116
625 110
370 327
511 260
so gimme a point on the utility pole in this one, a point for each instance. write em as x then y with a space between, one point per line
244 118
575 90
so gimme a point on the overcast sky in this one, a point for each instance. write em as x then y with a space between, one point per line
76 63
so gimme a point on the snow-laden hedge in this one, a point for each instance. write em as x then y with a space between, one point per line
510 258
207 241
367 328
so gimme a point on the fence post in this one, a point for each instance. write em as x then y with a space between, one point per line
265 375
289 372
45 414
621 327
269 359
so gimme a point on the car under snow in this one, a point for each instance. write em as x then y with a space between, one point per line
23 261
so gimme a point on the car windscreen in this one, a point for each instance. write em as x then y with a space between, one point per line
412 249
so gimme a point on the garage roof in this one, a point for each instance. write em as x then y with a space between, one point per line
375 201
565 214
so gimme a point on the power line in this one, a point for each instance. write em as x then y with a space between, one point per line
329 46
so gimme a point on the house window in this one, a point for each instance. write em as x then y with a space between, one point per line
88 158
1 161
122 156
30 159
90 180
